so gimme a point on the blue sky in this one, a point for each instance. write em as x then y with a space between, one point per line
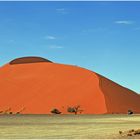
101 36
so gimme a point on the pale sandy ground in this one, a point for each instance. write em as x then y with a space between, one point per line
67 126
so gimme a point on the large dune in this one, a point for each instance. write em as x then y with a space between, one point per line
38 85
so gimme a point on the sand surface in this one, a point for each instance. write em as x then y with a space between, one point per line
39 86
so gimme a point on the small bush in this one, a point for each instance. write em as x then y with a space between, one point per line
129 112
55 111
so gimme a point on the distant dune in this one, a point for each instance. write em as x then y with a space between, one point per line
35 85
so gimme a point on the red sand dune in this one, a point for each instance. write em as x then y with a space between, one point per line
38 86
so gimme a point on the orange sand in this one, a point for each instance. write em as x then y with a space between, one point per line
42 86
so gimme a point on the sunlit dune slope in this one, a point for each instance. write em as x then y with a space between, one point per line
38 85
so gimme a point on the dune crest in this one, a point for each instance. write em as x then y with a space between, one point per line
28 60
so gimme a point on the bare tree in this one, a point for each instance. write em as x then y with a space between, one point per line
19 112
7 111
74 109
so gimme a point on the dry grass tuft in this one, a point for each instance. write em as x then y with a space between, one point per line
130 132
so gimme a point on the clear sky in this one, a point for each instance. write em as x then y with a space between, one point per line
101 36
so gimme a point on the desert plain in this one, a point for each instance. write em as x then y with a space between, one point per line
68 126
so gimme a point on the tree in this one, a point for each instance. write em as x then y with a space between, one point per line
19 112
74 109
55 111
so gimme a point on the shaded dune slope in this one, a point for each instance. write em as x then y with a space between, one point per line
118 99
28 60
42 86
